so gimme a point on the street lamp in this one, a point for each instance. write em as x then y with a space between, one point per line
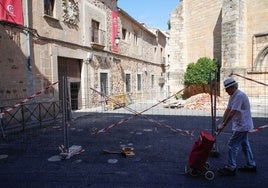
117 40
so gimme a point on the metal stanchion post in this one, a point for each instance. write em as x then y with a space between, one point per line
65 112
2 129
67 152
213 91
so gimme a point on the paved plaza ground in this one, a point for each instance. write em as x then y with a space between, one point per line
159 160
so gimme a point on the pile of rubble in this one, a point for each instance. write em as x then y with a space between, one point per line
200 101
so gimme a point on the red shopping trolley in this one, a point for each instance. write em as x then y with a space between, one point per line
197 159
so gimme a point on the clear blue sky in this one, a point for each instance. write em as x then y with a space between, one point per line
154 13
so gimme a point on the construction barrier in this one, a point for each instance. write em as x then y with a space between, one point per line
184 132
26 100
5 111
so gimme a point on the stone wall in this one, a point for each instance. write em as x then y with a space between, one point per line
244 39
13 84
53 39
234 34
201 21
233 31
195 33
257 12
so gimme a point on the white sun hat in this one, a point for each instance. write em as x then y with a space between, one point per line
229 82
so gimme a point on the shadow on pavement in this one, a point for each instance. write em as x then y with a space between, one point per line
159 159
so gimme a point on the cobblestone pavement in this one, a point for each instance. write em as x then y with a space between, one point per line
31 158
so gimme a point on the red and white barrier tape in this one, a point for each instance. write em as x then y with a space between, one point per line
184 132
250 79
258 129
251 131
26 99
112 125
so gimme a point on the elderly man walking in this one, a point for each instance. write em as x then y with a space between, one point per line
238 112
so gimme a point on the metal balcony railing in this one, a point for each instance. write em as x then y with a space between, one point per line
98 36
163 60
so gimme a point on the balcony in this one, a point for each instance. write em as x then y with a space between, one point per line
163 60
161 81
98 39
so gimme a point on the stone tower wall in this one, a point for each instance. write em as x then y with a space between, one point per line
233 31
195 33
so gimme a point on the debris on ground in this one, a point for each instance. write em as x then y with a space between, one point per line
200 101
174 104
68 153
125 151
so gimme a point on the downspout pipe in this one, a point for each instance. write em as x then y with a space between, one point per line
30 80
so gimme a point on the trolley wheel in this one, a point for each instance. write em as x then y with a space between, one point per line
209 175
187 169
194 173
190 171
207 166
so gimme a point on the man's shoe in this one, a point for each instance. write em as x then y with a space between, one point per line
247 168
226 172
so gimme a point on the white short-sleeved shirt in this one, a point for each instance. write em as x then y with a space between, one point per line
242 120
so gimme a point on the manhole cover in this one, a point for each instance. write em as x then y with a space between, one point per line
77 161
55 158
3 156
112 161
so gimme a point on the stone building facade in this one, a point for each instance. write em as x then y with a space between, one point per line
232 31
79 39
